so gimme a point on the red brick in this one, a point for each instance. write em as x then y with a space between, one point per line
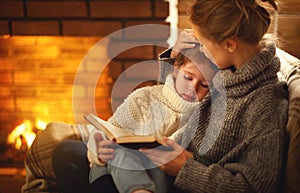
8 120
161 8
4 52
5 90
75 52
62 9
92 65
90 28
35 74
115 69
7 64
139 52
123 49
16 41
60 91
35 28
25 77
6 77
11 9
80 91
149 69
122 89
48 109
7 104
102 92
39 53
121 9
103 113
159 31
4 30
25 91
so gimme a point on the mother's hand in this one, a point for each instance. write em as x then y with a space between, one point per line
104 152
169 162
186 39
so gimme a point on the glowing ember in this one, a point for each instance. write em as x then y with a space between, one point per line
24 133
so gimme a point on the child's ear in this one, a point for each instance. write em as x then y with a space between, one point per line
230 45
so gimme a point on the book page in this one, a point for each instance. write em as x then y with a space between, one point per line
104 125
125 137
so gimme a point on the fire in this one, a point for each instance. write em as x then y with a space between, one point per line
24 133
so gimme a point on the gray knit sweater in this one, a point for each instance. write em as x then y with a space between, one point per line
238 145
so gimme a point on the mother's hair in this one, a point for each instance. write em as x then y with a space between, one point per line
240 17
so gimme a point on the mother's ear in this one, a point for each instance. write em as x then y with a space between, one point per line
230 45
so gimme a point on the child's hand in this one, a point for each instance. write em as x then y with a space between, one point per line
185 40
104 152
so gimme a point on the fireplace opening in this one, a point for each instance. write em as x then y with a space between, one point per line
46 77
36 88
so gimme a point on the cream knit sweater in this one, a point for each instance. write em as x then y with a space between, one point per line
153 109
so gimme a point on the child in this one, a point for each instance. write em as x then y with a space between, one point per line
164 110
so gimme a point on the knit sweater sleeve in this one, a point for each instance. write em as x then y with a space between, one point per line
253 165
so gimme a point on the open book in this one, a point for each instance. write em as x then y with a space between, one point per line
124 137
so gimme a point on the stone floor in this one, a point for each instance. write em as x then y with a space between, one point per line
11 179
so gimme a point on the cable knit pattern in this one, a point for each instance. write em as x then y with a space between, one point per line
240 149
155 109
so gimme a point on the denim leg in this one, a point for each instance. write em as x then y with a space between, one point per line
160 179
128 172
71 166
96 172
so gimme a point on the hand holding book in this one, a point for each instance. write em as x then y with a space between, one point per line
124 137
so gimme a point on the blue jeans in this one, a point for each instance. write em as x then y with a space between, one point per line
72 170
131 170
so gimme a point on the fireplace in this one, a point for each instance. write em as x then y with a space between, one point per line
39 84
37 79
40 76
42 46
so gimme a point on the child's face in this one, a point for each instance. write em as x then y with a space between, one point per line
190 83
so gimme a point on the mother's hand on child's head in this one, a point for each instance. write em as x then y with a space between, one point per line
169 162
185 40
104 153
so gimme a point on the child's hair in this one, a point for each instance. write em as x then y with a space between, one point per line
193 55
219 20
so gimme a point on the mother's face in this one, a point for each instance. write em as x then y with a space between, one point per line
217 53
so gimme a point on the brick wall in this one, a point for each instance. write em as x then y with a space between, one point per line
77 17
288 24
43 43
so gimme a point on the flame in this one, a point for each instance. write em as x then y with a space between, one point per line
24 133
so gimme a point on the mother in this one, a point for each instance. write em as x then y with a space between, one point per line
247 154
